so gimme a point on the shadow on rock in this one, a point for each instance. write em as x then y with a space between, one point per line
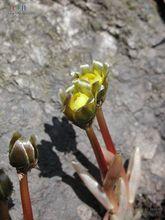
149 209
63 139
161 8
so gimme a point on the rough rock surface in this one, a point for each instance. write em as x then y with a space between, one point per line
39 48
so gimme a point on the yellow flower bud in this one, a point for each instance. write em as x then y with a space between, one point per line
6 186
79 104
97 77
23 154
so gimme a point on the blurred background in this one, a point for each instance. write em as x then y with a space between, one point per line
41 42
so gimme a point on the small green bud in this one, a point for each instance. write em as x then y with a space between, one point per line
23 154
79 103
6 186
97 77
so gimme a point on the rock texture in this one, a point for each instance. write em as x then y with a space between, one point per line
40 46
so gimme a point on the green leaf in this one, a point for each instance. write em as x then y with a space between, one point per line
6 186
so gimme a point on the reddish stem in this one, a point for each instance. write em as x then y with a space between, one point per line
97 150
108 141
4 211
25 197
104 130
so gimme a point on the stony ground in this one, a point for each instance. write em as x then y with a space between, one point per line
39 48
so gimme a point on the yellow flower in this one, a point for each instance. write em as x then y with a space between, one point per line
79 104
96 76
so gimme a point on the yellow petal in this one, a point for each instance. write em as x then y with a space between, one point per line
77 101
97 68
92 78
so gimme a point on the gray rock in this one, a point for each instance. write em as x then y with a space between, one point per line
84 212
148 142
157 166
39 48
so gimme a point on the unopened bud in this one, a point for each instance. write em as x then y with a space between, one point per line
23 154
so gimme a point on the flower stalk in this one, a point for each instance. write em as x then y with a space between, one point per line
97 151
25 197
108 141
104 130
